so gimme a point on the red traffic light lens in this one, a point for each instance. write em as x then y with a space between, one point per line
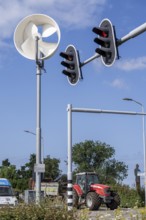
104 34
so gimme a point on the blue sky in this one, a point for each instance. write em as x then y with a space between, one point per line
102 87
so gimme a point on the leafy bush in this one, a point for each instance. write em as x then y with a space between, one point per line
56 210
129 196
48 210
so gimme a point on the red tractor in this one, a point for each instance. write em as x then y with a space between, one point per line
88 191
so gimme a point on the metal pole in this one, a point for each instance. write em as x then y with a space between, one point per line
38 126
144 140
42 152
144 148
69 174
42 144
90 59
87 110
135 32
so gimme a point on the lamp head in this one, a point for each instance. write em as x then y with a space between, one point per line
127 99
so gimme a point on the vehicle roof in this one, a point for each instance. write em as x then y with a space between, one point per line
4 182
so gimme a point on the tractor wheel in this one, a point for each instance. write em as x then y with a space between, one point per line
93 201
115 202
75 199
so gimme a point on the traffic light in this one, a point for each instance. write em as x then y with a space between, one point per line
107 41
72 64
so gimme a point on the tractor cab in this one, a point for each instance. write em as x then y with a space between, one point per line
84 180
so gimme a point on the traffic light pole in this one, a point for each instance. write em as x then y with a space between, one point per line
134 33
69 164
70 109
90 59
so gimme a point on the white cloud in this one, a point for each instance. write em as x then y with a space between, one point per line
71 14
79 14
132 64
118 83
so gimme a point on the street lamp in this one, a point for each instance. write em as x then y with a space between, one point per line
144 141
30 132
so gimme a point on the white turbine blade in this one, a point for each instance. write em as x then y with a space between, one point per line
28 47
47 48
48 30
30 30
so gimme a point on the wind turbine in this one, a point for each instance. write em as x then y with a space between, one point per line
37 37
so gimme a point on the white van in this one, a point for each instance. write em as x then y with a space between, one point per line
7 196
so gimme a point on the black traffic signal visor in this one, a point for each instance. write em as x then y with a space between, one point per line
104 52
104 42
69 74
66 56
101 31
68 65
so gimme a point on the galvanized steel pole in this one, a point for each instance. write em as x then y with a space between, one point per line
69 174
144 140
38 124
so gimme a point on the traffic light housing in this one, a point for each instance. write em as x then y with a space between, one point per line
72 64
107 41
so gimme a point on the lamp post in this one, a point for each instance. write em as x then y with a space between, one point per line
144 141
30 132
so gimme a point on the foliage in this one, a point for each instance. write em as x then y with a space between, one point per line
130 197
52 167
8 171
29 167
56 210
96 156
113 171
6 163
20 177
44 211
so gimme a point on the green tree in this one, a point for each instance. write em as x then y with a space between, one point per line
6 162
114 171
29 167
51 167
8 171
20 178
99 157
